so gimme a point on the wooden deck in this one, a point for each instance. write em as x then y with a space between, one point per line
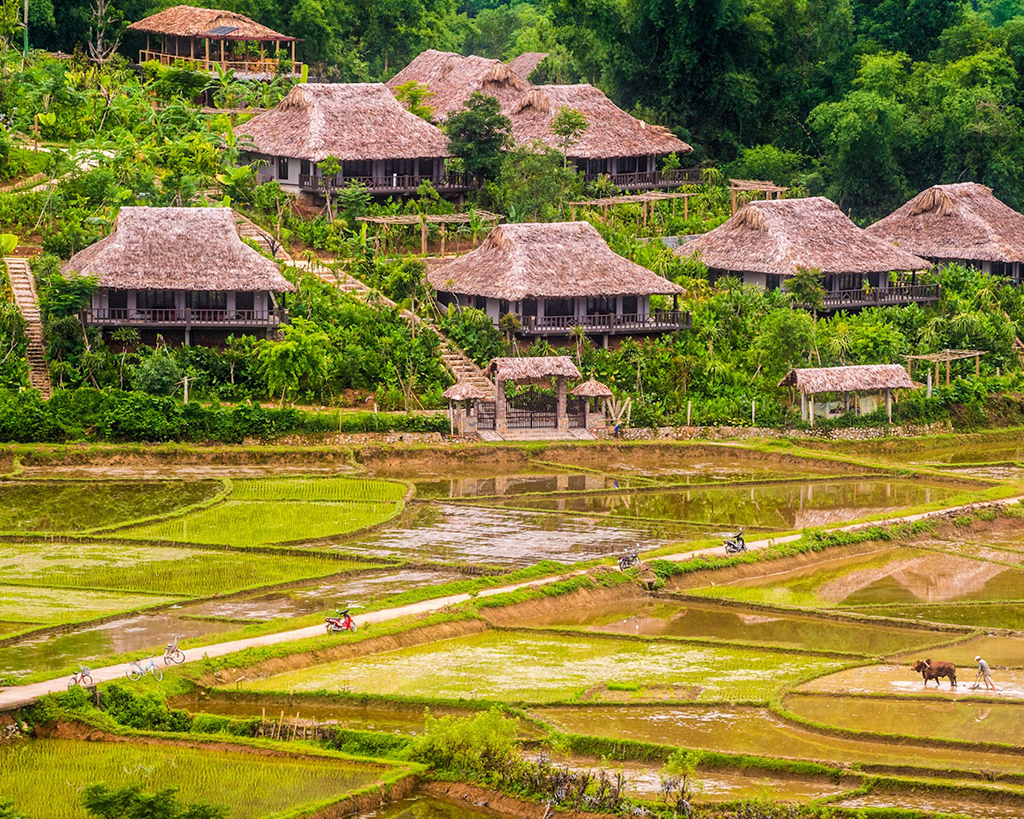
390 183
876 297
267 65
611 324
187 317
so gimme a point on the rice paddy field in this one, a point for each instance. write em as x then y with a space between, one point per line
774 664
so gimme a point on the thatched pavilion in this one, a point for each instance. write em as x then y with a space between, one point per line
767 242
590 391
534 411
962 223
180 269
614 143
378 142
208 38
462 406
861 383
555 276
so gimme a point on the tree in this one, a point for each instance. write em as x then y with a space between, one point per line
131 802
479 134
807 288
298 363
568 125
533 178
414 95
106 25
329 170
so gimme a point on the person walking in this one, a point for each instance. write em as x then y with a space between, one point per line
985 673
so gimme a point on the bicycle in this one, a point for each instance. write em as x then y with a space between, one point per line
82 677
136 670
173 654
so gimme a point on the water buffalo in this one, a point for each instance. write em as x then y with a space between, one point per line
932 671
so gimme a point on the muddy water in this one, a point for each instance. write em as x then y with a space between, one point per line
900 679
986 615
666 618
937 803
778 506
757 731
964 720
511 485
428 807
887 576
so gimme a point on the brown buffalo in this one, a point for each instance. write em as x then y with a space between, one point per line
932 671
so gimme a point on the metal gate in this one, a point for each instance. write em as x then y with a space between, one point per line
485 415
577 410
531 410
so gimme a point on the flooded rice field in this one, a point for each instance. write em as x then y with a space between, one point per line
540 667
961 721
997 614
669 618
936 803
890 678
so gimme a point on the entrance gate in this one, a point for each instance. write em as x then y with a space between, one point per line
485 415
531 410
577 410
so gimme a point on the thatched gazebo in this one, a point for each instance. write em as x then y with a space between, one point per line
591 390
614 144
538 370
962 223
858 381
462 397
180 269
556 276
211 38
378 143
767 242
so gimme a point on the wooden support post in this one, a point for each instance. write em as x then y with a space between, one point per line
803 406
686 207
207 66
888 405
947 372
423 235
443 237
572 212
293 55
936 372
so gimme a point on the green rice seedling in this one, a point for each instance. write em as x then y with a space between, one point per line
366 490
31 604
45 778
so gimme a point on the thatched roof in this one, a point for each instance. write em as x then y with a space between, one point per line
547 260
177 249
962 221
781 236
611 131
349 121
591 389
465 390
188 21
525 64
859 378
533 368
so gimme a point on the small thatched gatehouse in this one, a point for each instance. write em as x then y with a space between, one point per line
962 223
180 269
555 276
536 411
860 382
378 143
765 243
206 39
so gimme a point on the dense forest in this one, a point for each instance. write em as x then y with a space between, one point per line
864 101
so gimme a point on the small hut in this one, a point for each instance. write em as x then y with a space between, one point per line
184 269
378 143
556 276
590 391
859 382
533 413
462 398
210 38
767 242
962 223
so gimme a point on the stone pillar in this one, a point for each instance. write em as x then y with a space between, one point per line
561 413
888 405
500 424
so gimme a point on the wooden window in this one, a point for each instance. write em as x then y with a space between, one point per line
245 301
155 300
117 299
630 305
207 299
559 307
304 167
360 168
282 168
773 281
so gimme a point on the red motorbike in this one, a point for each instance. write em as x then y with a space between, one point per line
342 622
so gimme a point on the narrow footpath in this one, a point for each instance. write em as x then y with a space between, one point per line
20 695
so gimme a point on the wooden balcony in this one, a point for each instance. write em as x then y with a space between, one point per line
390 184
877 297
188 317
657 321
651 180
267 65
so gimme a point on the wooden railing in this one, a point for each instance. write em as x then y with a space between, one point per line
268 65
611 323
897 294
188 316
391 183
641 180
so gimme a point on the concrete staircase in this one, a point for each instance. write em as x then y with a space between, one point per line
248 229
24 289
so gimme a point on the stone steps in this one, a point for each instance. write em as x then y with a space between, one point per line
24 290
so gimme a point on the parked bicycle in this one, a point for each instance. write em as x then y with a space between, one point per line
173 654
82 677
136 670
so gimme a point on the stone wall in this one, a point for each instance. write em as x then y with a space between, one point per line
739 433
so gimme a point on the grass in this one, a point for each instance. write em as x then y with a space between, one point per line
70 506
160 570
32 604
319 489
44 778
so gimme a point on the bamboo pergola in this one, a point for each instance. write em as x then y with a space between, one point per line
754 186
945 356
424 219
645 199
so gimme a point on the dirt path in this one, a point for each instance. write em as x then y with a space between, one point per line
24 694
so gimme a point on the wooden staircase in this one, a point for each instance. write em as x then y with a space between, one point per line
24 289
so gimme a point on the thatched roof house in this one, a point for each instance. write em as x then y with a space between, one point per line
189 21
853 378
378 142
177 249
963 222
554 276
184 268
525 64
